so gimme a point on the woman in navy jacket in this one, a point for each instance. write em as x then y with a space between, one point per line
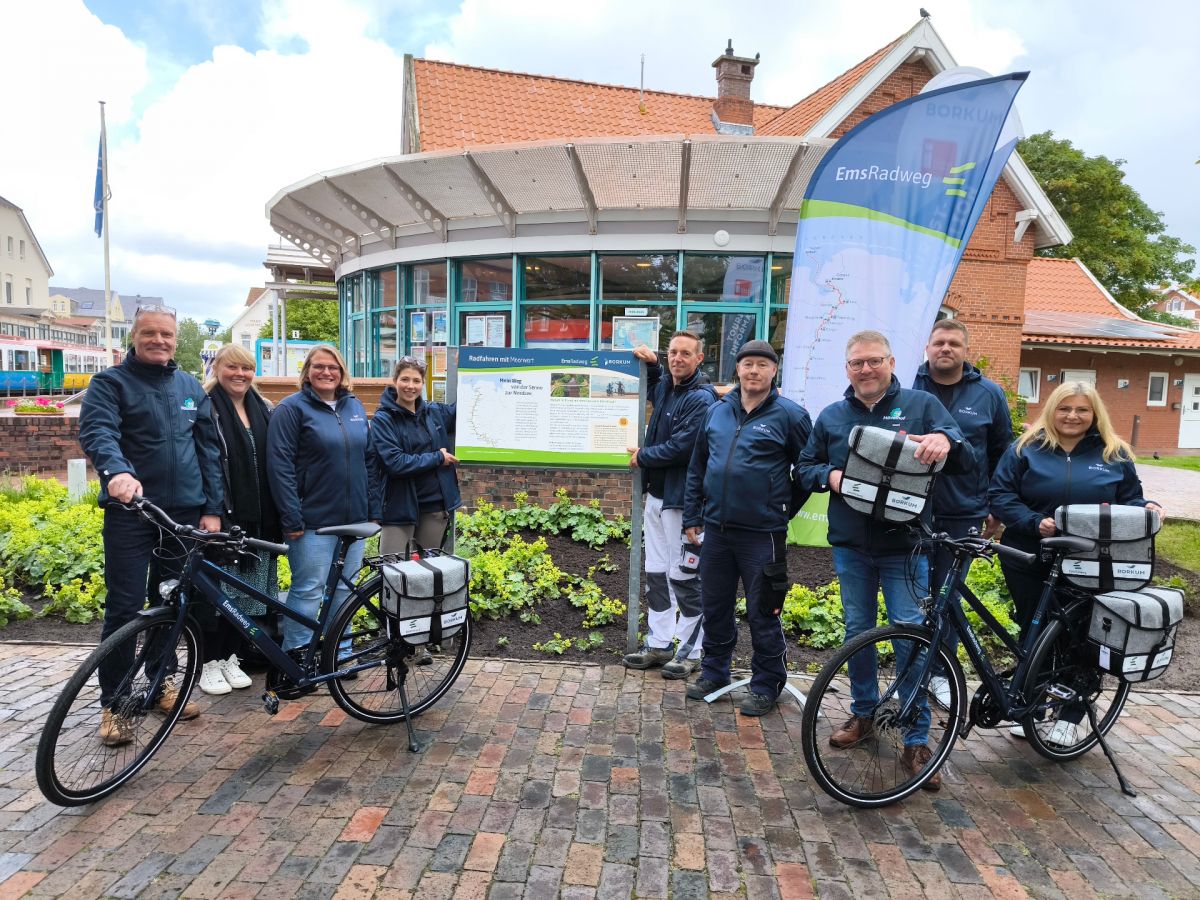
318 471
410 445
1071 454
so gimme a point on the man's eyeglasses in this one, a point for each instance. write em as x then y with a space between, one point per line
154 309
873 362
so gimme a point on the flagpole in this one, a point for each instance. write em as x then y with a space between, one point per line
108 329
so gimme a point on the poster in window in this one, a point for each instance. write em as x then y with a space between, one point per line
496 328
439 362
441 333
631 332
476 331
416 328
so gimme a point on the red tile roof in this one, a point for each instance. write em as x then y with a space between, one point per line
798 119
253 294
1066 286
461 106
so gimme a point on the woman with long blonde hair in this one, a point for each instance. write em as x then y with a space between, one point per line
1071 454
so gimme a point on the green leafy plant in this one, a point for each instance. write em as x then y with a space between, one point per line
593 640
599 609
557 645
77 600
12 609
513 581
502 642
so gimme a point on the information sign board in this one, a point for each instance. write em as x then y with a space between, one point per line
547 407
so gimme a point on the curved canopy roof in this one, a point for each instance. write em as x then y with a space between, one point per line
344 212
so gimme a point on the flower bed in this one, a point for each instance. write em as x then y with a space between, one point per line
38 406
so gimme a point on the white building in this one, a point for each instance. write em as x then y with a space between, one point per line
24 270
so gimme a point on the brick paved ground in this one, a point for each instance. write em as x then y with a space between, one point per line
549 780
1178 490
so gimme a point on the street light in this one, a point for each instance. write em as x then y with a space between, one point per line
212 325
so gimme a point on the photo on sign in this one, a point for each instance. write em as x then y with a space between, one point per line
631 332
616 386
570 384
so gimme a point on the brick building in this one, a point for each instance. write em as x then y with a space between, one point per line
1147 373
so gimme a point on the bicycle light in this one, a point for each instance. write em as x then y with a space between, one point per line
167 588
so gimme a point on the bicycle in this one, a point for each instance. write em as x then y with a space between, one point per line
1050 691
372 674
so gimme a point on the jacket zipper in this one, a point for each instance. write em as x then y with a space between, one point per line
729 459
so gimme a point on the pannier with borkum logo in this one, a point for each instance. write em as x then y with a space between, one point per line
883 478
427 597
1133 632
1123 559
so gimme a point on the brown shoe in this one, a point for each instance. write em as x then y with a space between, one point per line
166 701
915 759
114 730
854 732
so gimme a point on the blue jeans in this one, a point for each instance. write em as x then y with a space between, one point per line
728 555
309 558
904 581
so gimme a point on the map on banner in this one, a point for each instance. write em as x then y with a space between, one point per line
529 407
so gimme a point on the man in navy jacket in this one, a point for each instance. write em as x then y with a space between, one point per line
672 595
980 409
140 426
866 554
741 494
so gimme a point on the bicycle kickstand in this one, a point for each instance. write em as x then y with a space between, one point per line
1125 788
414 745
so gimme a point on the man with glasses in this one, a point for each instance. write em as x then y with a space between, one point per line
139 426
672 595
867 554
980 408
741 494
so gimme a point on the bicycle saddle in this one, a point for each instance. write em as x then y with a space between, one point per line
358 530
1067 542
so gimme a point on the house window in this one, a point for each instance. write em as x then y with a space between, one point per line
1088 375
28 292
1156 394
10 246
1029 384
22 249
8 292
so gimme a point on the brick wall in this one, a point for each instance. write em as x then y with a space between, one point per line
1158 427
39 445
988 291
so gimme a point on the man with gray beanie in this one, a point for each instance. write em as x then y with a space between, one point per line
741 493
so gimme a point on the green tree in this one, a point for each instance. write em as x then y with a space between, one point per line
188 344
1117 235
316 320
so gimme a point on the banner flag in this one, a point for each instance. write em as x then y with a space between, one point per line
883 225
98 200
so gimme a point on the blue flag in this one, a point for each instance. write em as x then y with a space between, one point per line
98 202
883 225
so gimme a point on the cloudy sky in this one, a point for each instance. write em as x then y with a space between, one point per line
214 105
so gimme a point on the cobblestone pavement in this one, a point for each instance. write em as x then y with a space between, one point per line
549 780
1178 490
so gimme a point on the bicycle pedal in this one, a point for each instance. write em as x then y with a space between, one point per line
271 703
1060 692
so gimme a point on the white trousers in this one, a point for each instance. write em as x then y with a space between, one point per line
672 597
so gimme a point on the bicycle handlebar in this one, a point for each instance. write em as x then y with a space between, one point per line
145 507
981 546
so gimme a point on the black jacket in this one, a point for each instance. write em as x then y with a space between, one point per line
396 438
145 420
671 434
741 473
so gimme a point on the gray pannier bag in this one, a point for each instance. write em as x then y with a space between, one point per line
427 597
1123 559
1133 632
882 477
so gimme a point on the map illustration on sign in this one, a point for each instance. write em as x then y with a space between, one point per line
550 407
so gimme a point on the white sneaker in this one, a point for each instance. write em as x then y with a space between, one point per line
1064 734
939 686
1017 731
233 672
211 679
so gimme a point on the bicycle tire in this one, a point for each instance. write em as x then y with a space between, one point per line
1057 659
374 696
857 775
73 766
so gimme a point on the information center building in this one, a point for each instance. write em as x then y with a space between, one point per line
530 211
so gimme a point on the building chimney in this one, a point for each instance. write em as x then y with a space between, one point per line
733 111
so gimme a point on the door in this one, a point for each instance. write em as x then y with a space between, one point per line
1189 416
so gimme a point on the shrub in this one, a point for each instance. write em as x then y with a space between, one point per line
11 607
77 600
514 580
599 609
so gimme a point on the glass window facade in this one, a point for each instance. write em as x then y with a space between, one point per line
568 301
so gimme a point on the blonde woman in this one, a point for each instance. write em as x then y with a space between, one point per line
1071 454
318 472
241 417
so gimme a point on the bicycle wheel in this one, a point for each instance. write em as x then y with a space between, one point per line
359 635
1063 681
76 762
885 662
